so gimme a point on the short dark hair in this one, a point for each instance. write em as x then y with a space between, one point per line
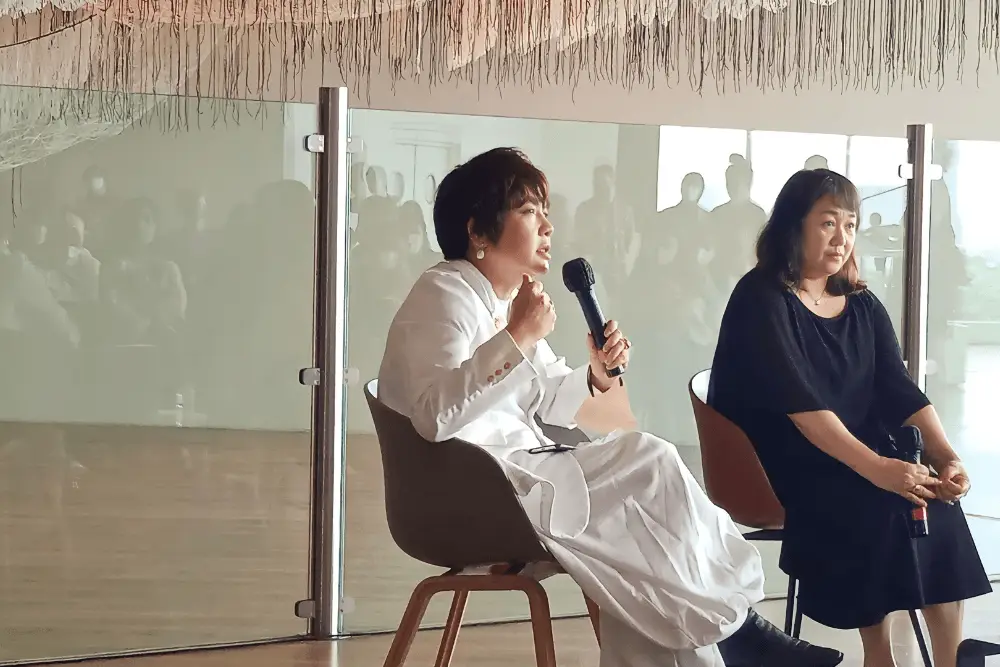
779 246
483 190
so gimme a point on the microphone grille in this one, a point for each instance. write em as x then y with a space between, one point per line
578 275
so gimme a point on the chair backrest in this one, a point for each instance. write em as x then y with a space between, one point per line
734 478
448 503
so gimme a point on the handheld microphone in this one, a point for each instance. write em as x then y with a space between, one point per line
918 515
578 276
909 445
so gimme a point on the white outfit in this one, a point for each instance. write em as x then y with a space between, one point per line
624 517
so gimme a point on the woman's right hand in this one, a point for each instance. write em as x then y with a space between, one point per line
532 315
910 480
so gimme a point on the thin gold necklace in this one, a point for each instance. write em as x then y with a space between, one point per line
815 301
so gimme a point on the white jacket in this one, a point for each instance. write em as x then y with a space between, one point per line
450 367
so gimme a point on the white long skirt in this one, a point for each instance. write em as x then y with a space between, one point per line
670 571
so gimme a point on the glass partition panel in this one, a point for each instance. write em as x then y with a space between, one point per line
668 217
873 166
963 324
154 439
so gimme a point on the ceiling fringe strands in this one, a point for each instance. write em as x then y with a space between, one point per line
989 33
225 50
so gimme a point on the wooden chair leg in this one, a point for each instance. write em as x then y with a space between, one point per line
541 624
451 628
595 617
409 624
538 602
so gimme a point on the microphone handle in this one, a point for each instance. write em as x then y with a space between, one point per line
596 323
918 515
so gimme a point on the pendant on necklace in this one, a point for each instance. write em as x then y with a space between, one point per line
816 302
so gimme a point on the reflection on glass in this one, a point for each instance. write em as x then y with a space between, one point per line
874 169
777 153
155 305
668 217
963 327
696 150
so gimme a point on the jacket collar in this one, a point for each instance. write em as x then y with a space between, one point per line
481 286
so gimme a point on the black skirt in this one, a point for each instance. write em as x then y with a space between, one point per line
856 562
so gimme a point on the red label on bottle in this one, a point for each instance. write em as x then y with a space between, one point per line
919 513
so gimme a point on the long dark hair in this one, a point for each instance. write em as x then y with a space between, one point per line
779 246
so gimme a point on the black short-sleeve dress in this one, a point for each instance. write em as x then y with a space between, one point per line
846 540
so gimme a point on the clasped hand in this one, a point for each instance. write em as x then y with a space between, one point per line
913 481
916 483
954 482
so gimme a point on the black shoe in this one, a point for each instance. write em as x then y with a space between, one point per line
759 644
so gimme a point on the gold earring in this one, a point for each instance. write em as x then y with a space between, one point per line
481 253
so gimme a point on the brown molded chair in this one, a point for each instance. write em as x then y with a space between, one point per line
450 504
736 482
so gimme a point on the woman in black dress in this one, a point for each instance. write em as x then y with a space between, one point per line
809 367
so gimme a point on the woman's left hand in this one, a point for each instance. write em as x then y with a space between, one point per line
614 353
954 482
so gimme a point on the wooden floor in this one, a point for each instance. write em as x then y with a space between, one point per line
510 644
134 538
125 538
130 538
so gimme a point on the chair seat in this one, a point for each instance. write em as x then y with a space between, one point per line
973 652
765 535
